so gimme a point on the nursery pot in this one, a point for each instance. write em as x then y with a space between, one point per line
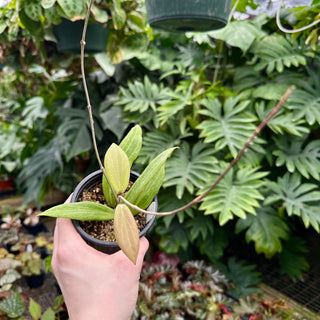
69 34
107 246
188 15
35 281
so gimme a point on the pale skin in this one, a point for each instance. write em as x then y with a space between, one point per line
95 285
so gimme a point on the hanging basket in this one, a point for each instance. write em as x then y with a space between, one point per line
188 15
69 34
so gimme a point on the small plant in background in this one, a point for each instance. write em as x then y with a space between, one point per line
11 217
197 291
31 263
31 217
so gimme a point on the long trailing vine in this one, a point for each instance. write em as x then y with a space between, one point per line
196 200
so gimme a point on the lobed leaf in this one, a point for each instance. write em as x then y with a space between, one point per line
236 195
265 229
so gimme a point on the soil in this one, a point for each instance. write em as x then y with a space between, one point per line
103 230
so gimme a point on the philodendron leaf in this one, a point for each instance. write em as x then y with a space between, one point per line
149 182
132 143
85 210
126 232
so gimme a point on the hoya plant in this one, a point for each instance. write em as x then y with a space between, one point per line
115 181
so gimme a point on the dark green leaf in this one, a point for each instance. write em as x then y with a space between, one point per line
265 229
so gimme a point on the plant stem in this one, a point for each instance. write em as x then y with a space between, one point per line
232 163
83 43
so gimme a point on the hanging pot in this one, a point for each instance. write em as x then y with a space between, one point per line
188 15
106 246
69 34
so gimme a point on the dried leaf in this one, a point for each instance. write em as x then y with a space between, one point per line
126 232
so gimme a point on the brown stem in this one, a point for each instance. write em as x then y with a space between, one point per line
232 163
83 43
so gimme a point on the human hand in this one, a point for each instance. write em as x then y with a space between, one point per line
95 285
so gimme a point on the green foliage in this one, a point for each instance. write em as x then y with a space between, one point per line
267 239
293 250
296 156
228 125
242 276
300 199
235 196
13 306
190 169
275 52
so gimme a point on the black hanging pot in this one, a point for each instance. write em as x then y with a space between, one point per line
106 246
69 35
188 15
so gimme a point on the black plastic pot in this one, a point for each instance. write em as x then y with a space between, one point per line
69 34
35 281
106 246
188 15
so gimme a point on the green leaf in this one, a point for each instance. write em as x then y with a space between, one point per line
239 34
172 238
52 15
228 125
243 277
43 163
117 167
305 105
149 182
190 170
85 210
142 98
300 199
126 232
236 195
46 4
99 14
297 156
275 52
294 250
74 9
13 305
132 143
282 122
75 130
34 309
164 140
33 110
118 15
201 226
265 229
48 315
33 10
105 63
183 97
